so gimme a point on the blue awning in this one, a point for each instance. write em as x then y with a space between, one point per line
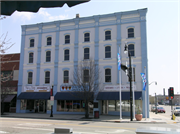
34 96
115 95
73 95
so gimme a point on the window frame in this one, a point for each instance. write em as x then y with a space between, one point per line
66 55
48 56
86 76
67 39
65 76
49 41
30 78
107 52
31 58
107 36
129 33
88 37
30 43
107 75
46 77
87 53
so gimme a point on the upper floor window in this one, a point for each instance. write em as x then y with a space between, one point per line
130 32
131 49
66 76
30 76
86 53
49 41
107 75
31 42
107 35
66 54
47 77
86 37
48 56
133 74
67 39
31 57
107 52
86 76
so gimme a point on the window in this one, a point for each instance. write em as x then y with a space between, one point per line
86 37
107 35
130 32
31 42
47 77
108 52
86 76
31 57
48 56
48 41
67 39
133 74
131 49
66 76
30 76
86 53
66 54
107 75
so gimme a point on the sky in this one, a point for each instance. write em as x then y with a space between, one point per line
163 33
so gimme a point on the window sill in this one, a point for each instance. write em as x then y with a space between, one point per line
46 62
86 59
67 44
107 59
86 42
131 38
48 45
48 84
108 40
30 63
28 84
108 83
30 47
66 61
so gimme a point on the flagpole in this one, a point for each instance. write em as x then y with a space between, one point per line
145 95
133 93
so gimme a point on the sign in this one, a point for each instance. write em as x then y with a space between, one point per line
52 102
167 98
116 87
37 88
119 62
66 88
52 98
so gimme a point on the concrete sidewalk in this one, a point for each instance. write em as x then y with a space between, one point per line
154 118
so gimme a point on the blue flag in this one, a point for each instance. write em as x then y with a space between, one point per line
119 61
143 76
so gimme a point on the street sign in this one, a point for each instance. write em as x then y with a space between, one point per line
52 98
52 102
167 98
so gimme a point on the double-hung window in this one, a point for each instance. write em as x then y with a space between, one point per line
67 39
31 42
107 75
86 37
49 41
31 55
130 32
47 77
66 54
66 76
48 56
131 49
86 53
30 76
108 52
107 35
86 76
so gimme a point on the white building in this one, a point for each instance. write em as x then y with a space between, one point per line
50 51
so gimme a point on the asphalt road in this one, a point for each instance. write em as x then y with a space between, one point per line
42 126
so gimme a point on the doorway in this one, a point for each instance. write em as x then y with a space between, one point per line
42 106
104 107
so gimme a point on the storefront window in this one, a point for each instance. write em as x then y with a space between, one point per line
30 104
48 105
82 106
69 106
60 105
76 106
111 105
23 104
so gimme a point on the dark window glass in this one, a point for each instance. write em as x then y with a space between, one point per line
130 32
32 43
86 53
131 49
86 37
66 76
49 41
86 75
31 57
66 54
48 56
107 75
47 77
67 39
108 52
30 75
107 35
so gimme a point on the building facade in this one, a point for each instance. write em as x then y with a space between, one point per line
51 51
9 81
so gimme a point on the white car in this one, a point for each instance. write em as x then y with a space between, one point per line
177 111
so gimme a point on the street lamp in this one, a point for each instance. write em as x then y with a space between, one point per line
153 82
130 78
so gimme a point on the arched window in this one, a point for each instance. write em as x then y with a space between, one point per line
107 75
130 32
48 56
86 76
67 39
66 76
31 42
47 77
86 53
30 76
108 52
86 37
48 41
131 49
66 54
107 35
31 55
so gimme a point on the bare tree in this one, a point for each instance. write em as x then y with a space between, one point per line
86 82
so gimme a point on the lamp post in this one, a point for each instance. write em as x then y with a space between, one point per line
51 104
130 79
155 96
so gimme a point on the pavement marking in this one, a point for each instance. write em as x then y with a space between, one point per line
34 128
3 132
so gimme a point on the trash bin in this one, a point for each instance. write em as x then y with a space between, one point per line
96 114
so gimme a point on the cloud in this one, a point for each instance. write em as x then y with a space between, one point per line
23 16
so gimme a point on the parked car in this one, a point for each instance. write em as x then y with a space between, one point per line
160 110
177 111
153 109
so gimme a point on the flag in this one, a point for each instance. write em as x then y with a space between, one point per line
119 61
143 76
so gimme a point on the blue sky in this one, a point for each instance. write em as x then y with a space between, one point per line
163 36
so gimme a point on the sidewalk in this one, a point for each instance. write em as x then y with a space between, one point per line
154 118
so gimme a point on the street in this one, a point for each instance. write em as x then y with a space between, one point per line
42 126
